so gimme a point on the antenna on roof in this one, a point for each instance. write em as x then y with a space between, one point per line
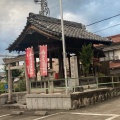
44 7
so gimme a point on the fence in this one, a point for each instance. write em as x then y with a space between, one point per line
59 84
17 87
85 83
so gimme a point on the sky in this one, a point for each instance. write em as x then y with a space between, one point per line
14 13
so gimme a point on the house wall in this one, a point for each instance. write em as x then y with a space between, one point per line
111 54
117 53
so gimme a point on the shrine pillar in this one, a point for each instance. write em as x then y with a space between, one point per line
50 60
27 79
61 70
69 65
9 84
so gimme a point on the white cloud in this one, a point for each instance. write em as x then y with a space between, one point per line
13 16
73 17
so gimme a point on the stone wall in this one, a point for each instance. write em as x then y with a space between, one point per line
48 101
70 101
15 97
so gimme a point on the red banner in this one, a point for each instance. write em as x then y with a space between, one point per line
30 62
27 61
43 60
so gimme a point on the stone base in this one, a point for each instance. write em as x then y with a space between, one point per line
48 101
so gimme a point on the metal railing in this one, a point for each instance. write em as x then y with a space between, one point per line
87 83
59 84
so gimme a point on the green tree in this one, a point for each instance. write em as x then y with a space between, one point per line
5 72
86 56
15 73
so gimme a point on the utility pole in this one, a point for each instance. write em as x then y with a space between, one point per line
44 7
63 45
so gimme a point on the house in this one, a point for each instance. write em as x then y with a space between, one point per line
112 54
2 77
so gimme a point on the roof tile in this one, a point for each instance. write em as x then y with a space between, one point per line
72 29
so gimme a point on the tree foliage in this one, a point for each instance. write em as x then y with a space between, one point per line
86 56
15 73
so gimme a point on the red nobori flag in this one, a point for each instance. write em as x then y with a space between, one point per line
30 62
27 61
43 60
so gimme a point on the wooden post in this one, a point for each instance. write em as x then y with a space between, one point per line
60 64
9 84
78 64
27 79
35 63
69 66
112 81
50 60
17 63
97 82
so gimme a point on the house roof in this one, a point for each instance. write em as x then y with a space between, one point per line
115 38
114 46
114 65
52 27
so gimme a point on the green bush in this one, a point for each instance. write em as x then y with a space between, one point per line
2 87
21 86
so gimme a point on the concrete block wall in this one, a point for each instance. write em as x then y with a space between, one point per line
48 101
15 97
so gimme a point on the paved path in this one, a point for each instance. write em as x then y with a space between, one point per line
107 110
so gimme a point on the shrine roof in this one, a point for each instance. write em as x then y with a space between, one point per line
52 27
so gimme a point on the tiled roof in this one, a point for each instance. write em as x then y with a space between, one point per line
71 29
114 65
52 26
115 38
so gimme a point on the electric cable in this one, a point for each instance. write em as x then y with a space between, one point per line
107 28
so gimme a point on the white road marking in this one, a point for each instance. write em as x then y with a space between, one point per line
4 115
111 116
47 116
92 114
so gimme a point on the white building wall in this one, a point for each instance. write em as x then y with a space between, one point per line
117 53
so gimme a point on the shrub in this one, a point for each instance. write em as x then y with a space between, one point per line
20 86
2 87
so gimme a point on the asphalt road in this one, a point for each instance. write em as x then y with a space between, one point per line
107 110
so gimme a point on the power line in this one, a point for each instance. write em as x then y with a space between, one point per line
107 28
14 19
64 7
11 28
57 4
14 4
103 20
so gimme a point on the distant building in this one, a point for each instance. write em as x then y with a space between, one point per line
112 54
2 77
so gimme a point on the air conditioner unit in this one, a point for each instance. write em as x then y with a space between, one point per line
116 57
